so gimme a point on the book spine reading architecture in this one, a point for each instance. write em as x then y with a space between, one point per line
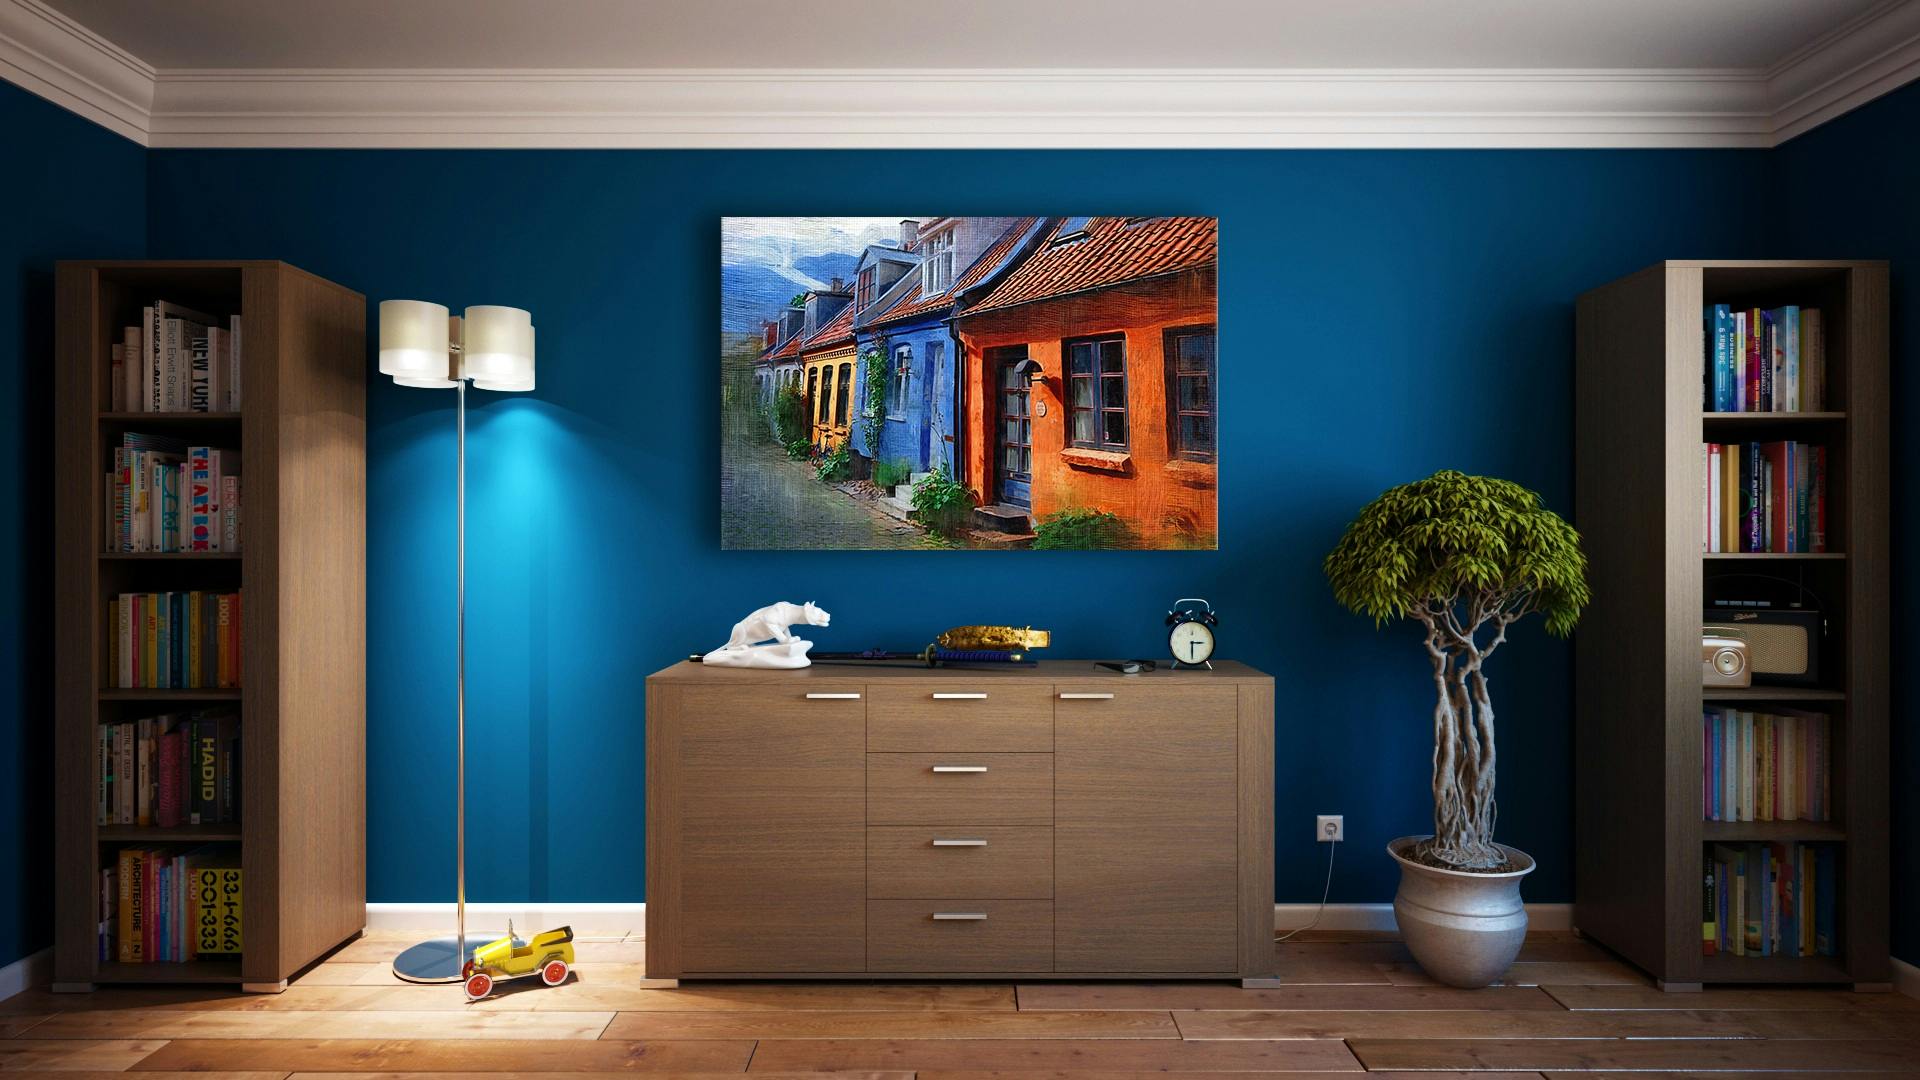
1764 360
171 904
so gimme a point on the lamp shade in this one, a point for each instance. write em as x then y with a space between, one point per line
499 348
414 343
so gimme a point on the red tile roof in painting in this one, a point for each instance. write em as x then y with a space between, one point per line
838 331
1115 250
785 352
914 304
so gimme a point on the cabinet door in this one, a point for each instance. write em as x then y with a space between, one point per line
1145 839
770 791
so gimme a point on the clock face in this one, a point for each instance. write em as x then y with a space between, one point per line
1191 642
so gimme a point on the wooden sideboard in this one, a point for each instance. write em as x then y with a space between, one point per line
1052 821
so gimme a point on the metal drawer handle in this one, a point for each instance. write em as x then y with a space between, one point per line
959 697
959 916
833 697
959 768
959 843
1086 697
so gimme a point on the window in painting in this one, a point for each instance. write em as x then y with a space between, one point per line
846 389
936 269
899 384
1097 393
1190 392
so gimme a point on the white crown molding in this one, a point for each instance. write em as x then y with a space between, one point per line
49 54
44 51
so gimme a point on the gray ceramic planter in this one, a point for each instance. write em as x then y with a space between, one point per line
1464 929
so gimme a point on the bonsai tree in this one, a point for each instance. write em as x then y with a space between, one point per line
1466 557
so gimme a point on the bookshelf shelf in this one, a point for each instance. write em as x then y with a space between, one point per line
169 556
1773 693
1731 832
147 694
192 971
1641 840
154 834
1758 419
300 842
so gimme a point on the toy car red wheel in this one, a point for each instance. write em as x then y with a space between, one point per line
479 985
554 973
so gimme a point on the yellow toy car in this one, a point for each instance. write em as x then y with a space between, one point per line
548 955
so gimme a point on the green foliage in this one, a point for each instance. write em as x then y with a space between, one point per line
941 503
799 300
1080 529
1453 538
799 449
876 361
789 416
889 474
835 465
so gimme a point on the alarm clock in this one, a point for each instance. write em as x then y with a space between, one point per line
1190 632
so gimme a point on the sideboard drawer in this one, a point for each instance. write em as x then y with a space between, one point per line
953 936
952 713
1011 862
959 789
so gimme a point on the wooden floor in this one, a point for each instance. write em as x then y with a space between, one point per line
1355 1003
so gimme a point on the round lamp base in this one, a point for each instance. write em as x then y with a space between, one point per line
438 960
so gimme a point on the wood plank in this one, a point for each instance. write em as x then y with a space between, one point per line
1790 1075
1887 1056
382 950
1558 1024
610 1074
893 1025
14 1025
1070 1074
1105 1056
120 1074
765 998
1795 999
1111 996
457 1055
1601 973
62 1055
169 1024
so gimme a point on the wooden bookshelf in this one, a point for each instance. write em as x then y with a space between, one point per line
301 430
1640 837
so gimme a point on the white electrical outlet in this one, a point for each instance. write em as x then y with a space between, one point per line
1329 827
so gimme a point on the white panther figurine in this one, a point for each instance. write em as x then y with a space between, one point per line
769 624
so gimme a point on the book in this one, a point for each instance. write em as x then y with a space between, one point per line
1709 916
229 512
200 371
1813 361
218 898
234 366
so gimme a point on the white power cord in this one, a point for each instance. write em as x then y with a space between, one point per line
1332 846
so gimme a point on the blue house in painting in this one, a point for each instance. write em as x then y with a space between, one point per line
904 300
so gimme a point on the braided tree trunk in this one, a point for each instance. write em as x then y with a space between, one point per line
1463 748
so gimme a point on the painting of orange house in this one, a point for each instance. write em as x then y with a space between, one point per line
1089 384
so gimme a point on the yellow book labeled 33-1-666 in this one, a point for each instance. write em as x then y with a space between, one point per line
216 911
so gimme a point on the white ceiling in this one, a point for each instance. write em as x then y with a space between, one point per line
965 73
994 34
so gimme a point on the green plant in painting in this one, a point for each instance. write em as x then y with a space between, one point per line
888 475
876 390
941 502
1081 529
799 449
1466 557
789 416
835 465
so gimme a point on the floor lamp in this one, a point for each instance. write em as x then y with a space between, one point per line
423 345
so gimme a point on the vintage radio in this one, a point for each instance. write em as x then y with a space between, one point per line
1723 661
1782 635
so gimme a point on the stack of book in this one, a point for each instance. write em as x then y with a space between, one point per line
1767 766
1765 360
1763 497
177 360
164 495
174 640
170 905
1770 900
172 770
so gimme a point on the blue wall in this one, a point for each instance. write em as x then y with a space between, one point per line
1849 189
1383 315
72 190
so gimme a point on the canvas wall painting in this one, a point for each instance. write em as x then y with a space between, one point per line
969 382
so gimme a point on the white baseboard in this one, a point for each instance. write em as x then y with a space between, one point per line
529 916
33 969
1906 978
1380 917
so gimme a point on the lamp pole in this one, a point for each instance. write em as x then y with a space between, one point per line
460 667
